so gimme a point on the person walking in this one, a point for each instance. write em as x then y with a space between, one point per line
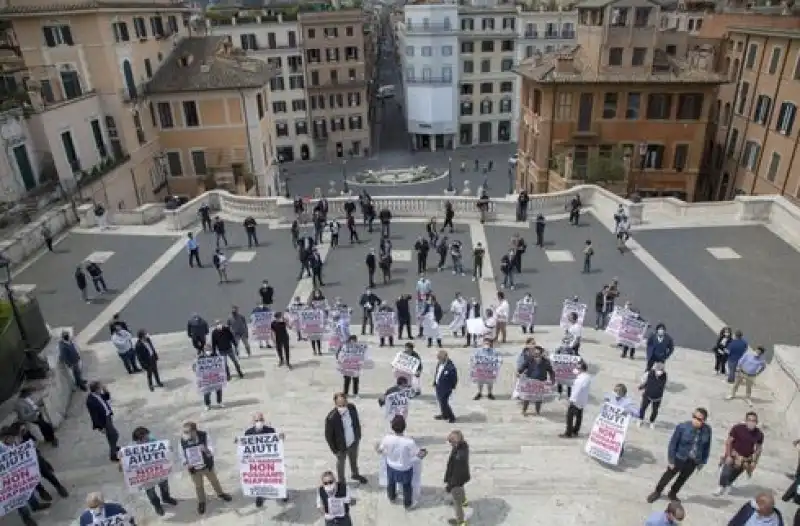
194 251
578 400
223 342
401 454
442 247
29 413
47 235
343 435
241 333
422 247
334 500
507 268
207 353
477 261
197 331
601 308
449 215
17 434
205 216
445 380
652 386
98 404
280 333
688 451
69 355
540 224
334 227
457 256
250 230
743 449
96 273
385 217
457 475
142 435
588 253
372 263
351 227
220 262
660 346
720 350
750 365
123 341
197 454
385 264
80 281
148 358
219 232
737 347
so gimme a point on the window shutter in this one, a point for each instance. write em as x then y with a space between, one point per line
243 40
49 39
66 33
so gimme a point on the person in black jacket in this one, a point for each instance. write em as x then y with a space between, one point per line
260 427
96 273
536 367
519 249
18 434
422 247
250 230
98 403
266 293
224 342
372 263
219 231
449 214
442 248
351 227
385 216
369 302
197 330
456 475
333 489
652 387
540 231
792 494
445 380
343 434
403 315
117 322
522 206
148 358
721 350
80 281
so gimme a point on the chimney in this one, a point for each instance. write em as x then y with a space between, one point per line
565 64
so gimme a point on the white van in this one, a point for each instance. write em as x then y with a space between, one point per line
386 92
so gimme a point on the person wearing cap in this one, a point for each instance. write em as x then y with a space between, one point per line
98 510
261 427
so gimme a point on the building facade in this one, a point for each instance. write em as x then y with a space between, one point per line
615 109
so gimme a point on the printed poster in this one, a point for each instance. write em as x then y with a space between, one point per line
484 368
534 390
19 476
615 321
145 465
385 323
405 365
312 323
570 307
564 366
116 520
632 332
395 404
261 466
261 325
194 457
524 314
210 373
352 358
608 434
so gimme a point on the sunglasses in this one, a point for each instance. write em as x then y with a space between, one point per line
327 482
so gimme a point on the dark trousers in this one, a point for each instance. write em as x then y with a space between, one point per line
653 412
560 389
628 351
652 360
252 239
152 374
371 274
221 237
199 342
282 348
353 235
129 361
438 342
351 454
391 341
152 496
587 265
385 229
407 325
422 264
720 361
448 221
207 397
574 420
99 284
477 271
77 374
403 478
539 239
48 241
194 257
232 357
347 381
728 474
442 260
316 346
732 364
334 240
683 469
50 476
112 437
304 268
443 397
48 432
316 278
518 263
537 406
206 222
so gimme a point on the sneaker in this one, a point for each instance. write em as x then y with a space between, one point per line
490 396
45 495
720 491
454 272
226 497
653 497
360 479
477 396
221 405
208 408
473 279
652 425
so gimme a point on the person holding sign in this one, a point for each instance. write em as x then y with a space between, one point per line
415 371
525 313
333 500
385 320
19 462
445 380
431 318
456 475
395 400
536 367
198 456
17 434
260 427
343 435
354 355
140 436
223 342
653 384
98 512
401 453
484 367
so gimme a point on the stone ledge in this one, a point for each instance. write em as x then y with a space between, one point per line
782 378
28 240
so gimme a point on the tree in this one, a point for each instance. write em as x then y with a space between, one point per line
606 167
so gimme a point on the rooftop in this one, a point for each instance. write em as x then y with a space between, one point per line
207 63
23 7
766 32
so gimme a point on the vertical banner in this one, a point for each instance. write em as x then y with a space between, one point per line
385 323
261 325
145 465
210 373
19 476
312 323
396 403
351 359
524 314
484 367
568 308
608 434
632 332
261 466
564 366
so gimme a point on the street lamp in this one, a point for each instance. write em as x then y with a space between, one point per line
286 180
5 275
450 175
345 187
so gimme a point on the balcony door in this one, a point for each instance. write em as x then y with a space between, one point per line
585 112
70 151
130 81
25 168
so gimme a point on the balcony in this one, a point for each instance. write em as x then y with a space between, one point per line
531 35
428 29
505 34
568 35
271 50
551 35
430 81
339 84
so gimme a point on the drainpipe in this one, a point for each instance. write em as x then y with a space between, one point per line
249 143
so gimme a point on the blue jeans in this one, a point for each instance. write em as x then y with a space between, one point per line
403 478
508 279
732 370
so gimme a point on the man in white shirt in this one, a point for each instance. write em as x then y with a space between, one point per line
502 311
459 311
490 327
123 342
401 453
577 401
572 336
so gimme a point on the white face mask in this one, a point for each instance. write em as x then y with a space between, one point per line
258 426
329 487
97 512
187 436
660 332
659 373
342 410
209 353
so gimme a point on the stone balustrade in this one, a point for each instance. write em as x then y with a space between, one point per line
28 240
144 215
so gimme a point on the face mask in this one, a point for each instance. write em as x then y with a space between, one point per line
150 437
659 373
97 512
186 435
660 332
329 487
259 426
342 410
209 353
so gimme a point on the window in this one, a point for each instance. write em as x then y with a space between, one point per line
632 106
761 111
148 68
426 73
466 108
610 105
726 114
276 83
487 46
750 61
199 162
468 66
681 156
427 51
165 115
774 60
486 88
312 34
619 17
447 51
731 147
409 51
774 164
786 116
120 32
410 72
281 129
469 47
639 54
139 27
690 106
466 89
506 45
190 115
330 32
157 26
97 133
486 65
174 163
506 64
641 17
797 68
615 56
528 51
467 24
355 122
57 35
172 23
506 87
296 82
486 106
487 24
299 105
508 22
248 41
71 83
348 31
653 157
750 155
279 106
741 100
300 127
505 105
564 107
447 74
659 106
672 50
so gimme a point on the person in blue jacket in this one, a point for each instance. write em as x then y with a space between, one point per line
659 346
97 509
689 449
736 349
759 511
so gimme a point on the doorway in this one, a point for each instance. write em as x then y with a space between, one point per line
304 152
465 134
25 168
485 132
585 112
130 82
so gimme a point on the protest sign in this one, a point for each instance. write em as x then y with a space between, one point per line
210 373
476 326
405 364
261 466
116 520
351 358
319 304
608 434
19 476
568 308
145 465
524 314
385 322
534 390
396 403
631 332
261 325
615 321
343 311
564 366
194 457
484 367
312 323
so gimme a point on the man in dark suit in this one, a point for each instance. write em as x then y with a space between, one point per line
445 380
343 434
98 403
148 358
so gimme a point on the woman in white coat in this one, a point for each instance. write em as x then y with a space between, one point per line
459 311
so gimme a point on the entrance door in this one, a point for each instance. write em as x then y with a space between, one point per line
25 168
70 152
130 82
585 112
465 134
485 132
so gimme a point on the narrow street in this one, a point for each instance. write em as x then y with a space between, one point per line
390 134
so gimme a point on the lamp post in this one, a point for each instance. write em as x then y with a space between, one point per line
450 175
5 275
345 187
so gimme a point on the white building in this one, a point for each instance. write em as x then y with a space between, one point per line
19 170
428 41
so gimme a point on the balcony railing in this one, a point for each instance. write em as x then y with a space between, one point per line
277 48
342 83
433 81
429 28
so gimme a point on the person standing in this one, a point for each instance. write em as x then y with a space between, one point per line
630 351
47 235
760 511
540 223
385 264
205 216
672 516
250 231
522 206
750 365
260 427
351 227
148 358
485 354
458 308
385 307
743 449
98 404
207 353
123 341
223 342
316 264
241 333
527 299
142 435
220 262
736 349
69 355
422 247
449 215
353 377
721 350
688 451
575 211
333 500
96 273
80 281
194 251
520 247
473 312
295 231
536 367
17 434
601 309
659 346
456 475
457 256
502 312
432 231
372 263
401 453
333 228
266 293
343 435
653 385
198 456
280 333
507 268
29 413
578 400
477 261
442 248
197 331
385 217
403 306
98 510
588 253
432 316
445 380
369 302
219 232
